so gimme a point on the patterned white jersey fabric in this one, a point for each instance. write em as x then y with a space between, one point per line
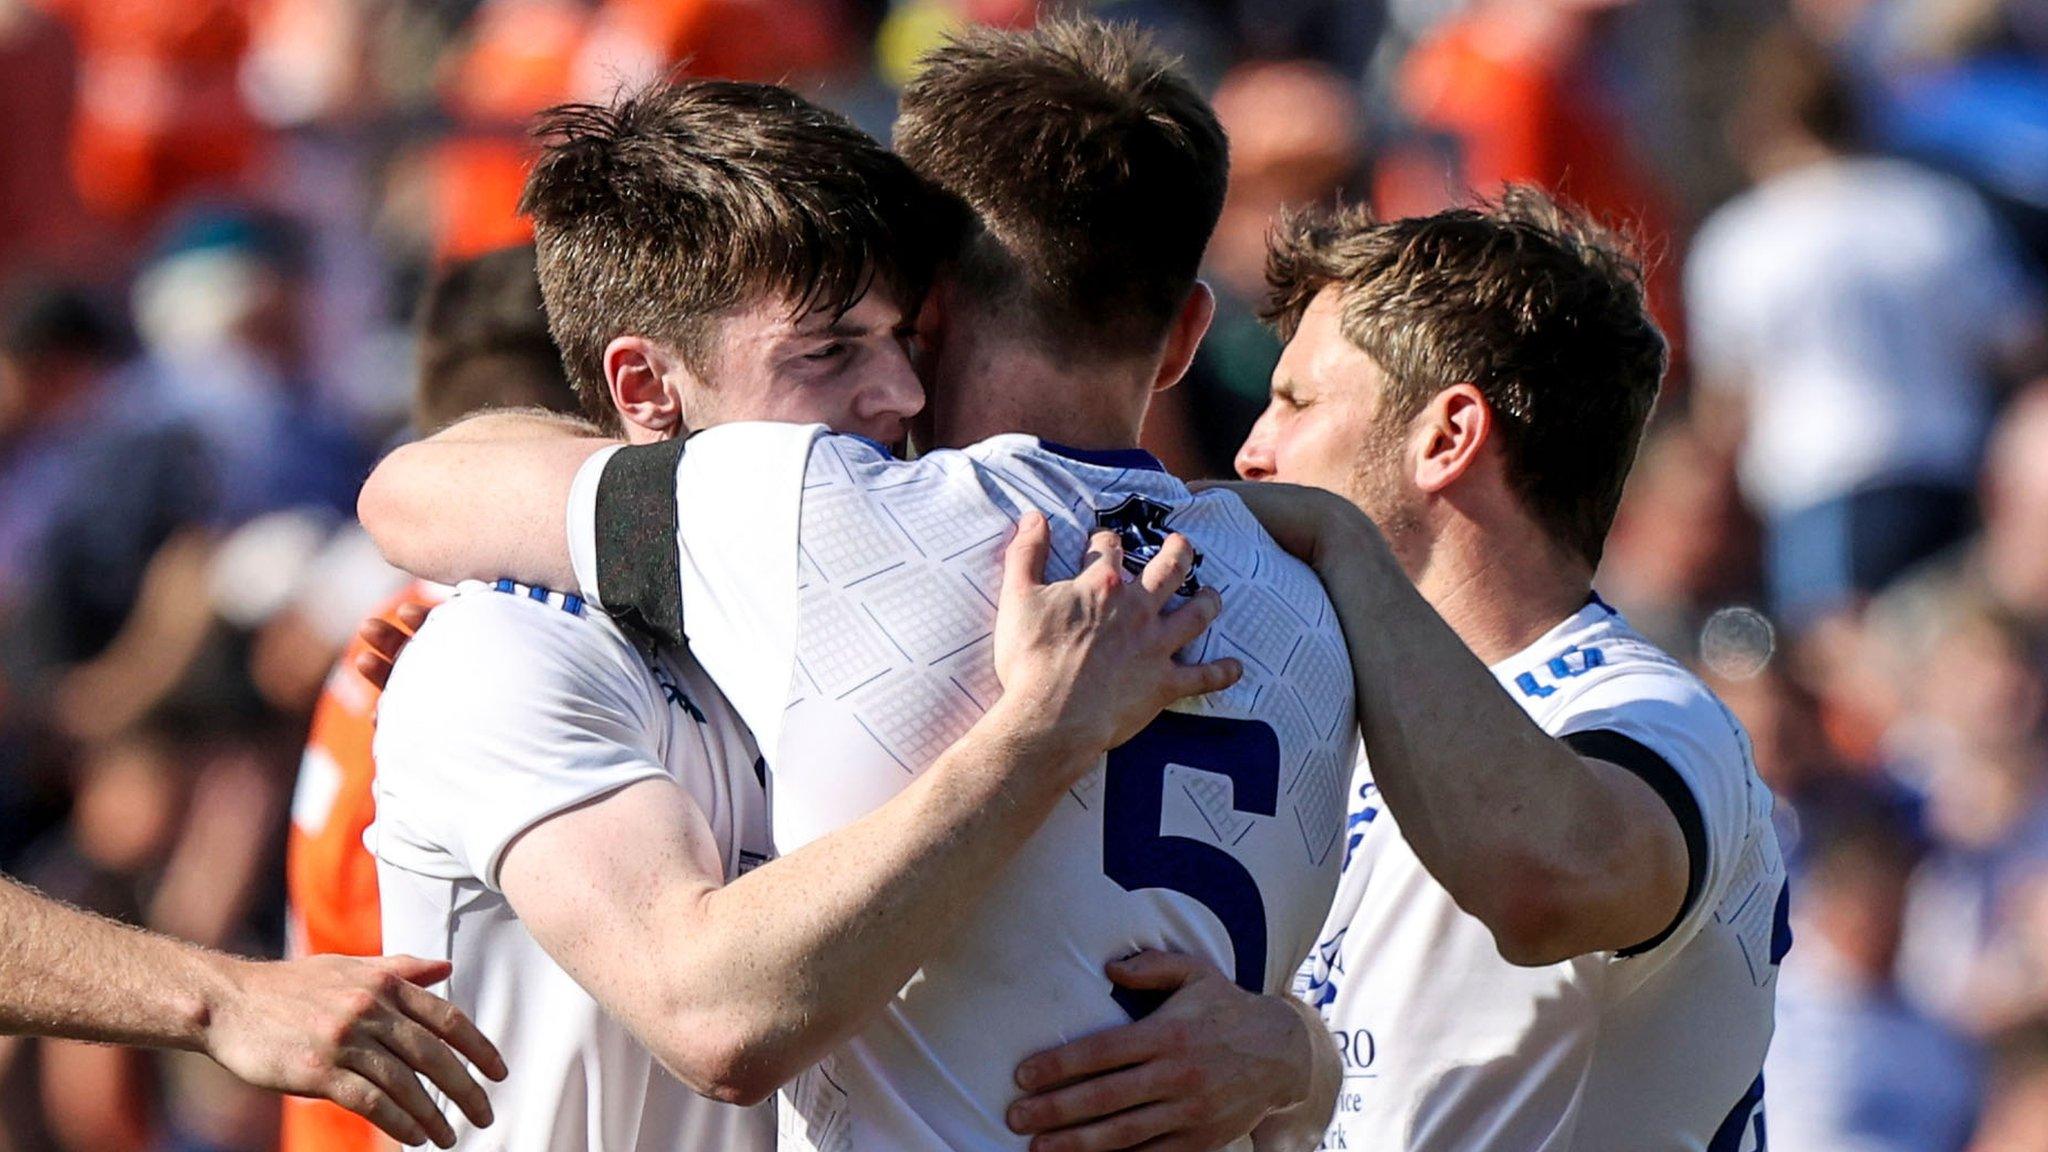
511 706
845 601
1448 1047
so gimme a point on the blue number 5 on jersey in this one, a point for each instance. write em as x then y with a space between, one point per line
1136 854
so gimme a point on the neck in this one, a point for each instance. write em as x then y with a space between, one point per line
999 388
1500 592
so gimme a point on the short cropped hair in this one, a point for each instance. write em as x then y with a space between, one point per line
658 211
483 342
1091 170
1531 302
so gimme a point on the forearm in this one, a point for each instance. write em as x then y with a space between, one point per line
1302 1127
484 498
798 954
71 974
1491 804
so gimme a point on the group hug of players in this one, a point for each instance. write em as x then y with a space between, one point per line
1003 789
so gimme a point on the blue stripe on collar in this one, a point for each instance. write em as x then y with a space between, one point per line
1136 458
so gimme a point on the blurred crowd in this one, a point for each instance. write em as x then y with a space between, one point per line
217 217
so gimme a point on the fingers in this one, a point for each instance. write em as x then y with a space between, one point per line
395 1079
1169 568
384 641
368 1101
411 616
383 637
1086 1100
1158 970
1024 562
1123 1130
1188 680
428 1056
1105 554
1089 1056
414 969
446 1021
1188 621
374 668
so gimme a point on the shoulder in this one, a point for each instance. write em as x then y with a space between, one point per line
1607 678
514 643
1610 676
839 457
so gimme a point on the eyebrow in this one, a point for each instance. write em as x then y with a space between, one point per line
842 329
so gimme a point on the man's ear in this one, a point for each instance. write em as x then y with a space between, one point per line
1186 336
1450 433
643 378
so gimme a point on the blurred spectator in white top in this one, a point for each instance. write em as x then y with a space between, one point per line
1852 1066
1851 316
219 311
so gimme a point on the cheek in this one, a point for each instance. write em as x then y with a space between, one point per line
812 402
1312 452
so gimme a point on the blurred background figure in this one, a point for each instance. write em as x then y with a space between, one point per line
2016 1111
1524 92
1851 319
218 221
1297 133
1853 1067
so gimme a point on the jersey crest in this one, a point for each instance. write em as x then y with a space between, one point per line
1140 526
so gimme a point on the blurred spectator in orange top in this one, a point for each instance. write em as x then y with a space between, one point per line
781 41
520 57
1511 86
483 343
40 218
160 110
1297 137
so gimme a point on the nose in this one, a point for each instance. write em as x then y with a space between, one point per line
895 393
1255 459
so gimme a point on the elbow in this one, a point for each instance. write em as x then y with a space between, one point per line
729 1064
1531 914
379 506
1532 941
731 1083
390 515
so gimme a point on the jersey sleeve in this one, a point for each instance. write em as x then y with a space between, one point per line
699 542
1671 732
501 713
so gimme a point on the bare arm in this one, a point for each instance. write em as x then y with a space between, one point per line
482 498
740 987
1558 854
352 1031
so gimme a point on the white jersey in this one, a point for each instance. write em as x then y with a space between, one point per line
1447 1047
845 600
512 705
